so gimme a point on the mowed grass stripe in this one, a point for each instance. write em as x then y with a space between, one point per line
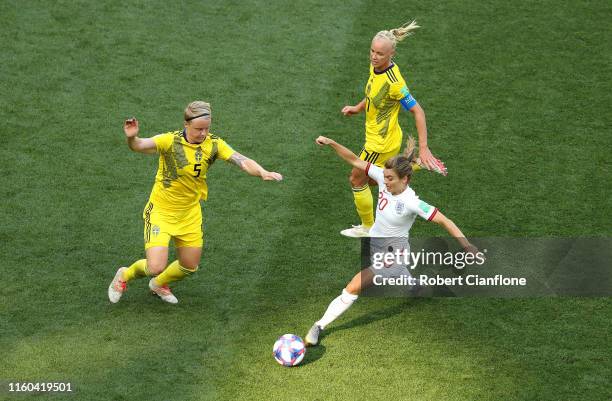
302 210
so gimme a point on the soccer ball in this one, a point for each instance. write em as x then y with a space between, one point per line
289 350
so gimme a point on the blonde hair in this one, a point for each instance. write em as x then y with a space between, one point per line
402 164
197 109
397 34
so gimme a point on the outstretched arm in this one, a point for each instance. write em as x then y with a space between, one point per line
348 156
141 145
427 158
453 230
251 167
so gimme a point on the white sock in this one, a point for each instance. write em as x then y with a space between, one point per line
337 307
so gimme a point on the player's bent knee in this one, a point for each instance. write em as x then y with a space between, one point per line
358 179
353 290
354 287
155 268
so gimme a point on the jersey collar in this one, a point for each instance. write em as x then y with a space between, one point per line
383 71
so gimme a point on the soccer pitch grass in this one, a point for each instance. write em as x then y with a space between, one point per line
518 99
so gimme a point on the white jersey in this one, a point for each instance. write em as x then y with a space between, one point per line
395 214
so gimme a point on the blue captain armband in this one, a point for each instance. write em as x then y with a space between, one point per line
407 101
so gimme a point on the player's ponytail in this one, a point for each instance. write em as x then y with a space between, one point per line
410 151
402 164
398 34
404 31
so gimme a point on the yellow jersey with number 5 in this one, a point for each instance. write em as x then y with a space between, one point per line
180 182
384 91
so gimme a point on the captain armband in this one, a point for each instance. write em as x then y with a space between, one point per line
408 102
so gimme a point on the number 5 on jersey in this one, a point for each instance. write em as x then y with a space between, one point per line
197 168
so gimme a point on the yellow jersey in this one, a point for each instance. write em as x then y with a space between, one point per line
385 92
180 181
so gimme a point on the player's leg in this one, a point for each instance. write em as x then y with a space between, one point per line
340 304
362 194
189 257
363 198
188 239
344 301
360 281
155 262
157 258
156 239
157 234
187 264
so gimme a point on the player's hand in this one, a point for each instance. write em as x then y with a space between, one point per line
271 176
130 127
350 110
428 160
471 249
322 141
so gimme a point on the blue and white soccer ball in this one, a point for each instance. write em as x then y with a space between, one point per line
289 350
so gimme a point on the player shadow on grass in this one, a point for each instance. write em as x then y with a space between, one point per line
313 354
376 315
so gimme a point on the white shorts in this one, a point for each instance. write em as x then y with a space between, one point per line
390 257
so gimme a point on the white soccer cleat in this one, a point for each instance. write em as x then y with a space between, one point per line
117 287
163 292
359 231
312 338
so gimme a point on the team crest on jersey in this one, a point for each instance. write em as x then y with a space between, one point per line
399 207
155 230
198 154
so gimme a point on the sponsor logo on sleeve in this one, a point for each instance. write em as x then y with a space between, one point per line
424 207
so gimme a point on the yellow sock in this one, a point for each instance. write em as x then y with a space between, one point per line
174 272
137 269
364 205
